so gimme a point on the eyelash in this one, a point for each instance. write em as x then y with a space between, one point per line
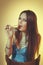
23 19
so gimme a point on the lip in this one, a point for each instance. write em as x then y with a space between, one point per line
19 26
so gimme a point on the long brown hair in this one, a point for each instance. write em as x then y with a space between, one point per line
32 33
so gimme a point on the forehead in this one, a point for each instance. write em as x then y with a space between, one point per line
23 15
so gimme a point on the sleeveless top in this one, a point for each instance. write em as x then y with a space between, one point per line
20 55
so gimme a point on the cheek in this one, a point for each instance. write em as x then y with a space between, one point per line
24 27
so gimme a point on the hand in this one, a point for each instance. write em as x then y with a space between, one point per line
8 27
9 30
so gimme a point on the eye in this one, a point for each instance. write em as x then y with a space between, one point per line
24 20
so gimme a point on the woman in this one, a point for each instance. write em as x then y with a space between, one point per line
24 40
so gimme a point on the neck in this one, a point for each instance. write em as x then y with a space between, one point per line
23 33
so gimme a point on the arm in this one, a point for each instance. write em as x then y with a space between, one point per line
9 47
11 36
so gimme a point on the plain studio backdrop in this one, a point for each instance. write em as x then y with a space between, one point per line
9 13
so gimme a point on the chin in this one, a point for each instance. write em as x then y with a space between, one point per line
21 30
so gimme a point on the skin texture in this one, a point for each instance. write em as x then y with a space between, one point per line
22 27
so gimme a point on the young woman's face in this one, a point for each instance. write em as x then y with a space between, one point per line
22 22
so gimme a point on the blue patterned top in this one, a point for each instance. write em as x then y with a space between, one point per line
19 55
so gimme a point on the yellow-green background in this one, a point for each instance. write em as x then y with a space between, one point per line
9 13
